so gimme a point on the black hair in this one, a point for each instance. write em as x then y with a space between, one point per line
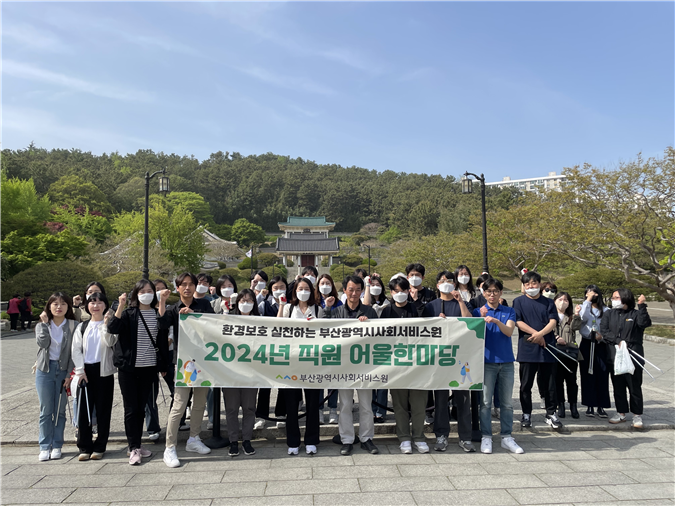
203 276
310 268
250 293
276 279
94 283
26 294
294 297
97 296
490 282
530 276
260 273
133 298
69 302
354 279
160 280
399 282
469 285
359 272
333 293
16 296
481 279
378 298
449 276
550 285
415 267
181 278
627 297
569 310
221 281
600 302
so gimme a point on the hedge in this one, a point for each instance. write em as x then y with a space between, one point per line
607 280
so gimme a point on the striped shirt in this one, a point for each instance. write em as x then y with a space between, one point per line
145 351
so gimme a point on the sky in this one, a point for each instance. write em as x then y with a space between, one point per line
505 89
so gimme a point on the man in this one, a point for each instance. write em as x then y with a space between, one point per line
186 285
500 321
450 304
419 295
203 287
536 319
353 308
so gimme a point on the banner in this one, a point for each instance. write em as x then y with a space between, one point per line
264 352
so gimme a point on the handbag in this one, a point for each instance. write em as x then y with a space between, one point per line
623 364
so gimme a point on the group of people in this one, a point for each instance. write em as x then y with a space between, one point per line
84 342
20 310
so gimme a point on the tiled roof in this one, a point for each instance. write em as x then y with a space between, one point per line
322 245
304 221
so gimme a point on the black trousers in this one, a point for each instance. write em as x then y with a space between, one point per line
594 387
26 317
527 371
13 320
562 377
632 382
100 393
461 399
135 386
262 409
293 397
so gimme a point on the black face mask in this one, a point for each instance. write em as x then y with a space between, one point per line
594 300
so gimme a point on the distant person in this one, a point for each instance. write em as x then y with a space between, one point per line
465 283
203 290
419 295
14 312
26 309
566 340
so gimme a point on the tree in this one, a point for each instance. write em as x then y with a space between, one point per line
83 222
247 233
189 200
73 191
22 209
267 259
623 220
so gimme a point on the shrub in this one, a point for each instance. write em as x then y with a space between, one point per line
241 277
352 260
246 263
44 279
289 263
325 261
606 279
358 239
267 259
122 282
391 235
278 270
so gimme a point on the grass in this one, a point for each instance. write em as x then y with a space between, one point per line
662 331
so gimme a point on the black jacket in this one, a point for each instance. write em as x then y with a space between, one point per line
172 314
423 297
408 311
343 312
124 351
620 325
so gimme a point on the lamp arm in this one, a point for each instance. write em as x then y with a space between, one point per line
479 178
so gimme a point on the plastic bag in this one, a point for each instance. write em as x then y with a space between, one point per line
623 364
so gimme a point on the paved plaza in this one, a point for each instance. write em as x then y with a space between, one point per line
590 462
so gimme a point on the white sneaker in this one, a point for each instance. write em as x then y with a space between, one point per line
259 424
310 449
153 436
486 444
56 454
542 403
406 447
170 457
293 451
508 443
422 447
618 418
44 455
281 425
321 419
333 416
194 444
637 422
209 426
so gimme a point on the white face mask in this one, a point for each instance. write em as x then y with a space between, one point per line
146 298
617 304
415 281
325 289
463 280
532 292
260 286
202 288
400 297
303 295
375 290
278 293
549 294
311 279
245 307
226 292
446 287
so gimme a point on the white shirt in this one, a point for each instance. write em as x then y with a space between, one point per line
291 311
56 333
466 295
92 353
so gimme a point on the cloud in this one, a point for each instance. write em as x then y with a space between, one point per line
417 74
24 71
28 36
289 82
147 41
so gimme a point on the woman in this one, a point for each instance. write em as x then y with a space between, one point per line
140 352
259 285
302 306
244 397
226 288
549 290
625 323
595 366
94 375
14 312
375 295
566 341
54 335
465 282
91 288
26 309
276 288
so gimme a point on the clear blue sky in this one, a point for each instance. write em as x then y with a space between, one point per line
515 89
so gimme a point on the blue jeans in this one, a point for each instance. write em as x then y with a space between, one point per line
501 378
52 412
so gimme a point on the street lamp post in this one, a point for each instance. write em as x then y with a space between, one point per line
163 188
467 188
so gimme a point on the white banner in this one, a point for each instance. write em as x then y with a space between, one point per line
264 352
